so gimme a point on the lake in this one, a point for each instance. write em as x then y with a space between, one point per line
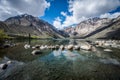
59 64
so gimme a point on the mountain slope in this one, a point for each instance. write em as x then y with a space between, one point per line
96 28
86 27
25 24
111 32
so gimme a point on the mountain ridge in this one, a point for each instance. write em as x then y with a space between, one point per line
27 24
90 27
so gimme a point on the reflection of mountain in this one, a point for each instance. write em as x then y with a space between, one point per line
25 24
66 54
96 28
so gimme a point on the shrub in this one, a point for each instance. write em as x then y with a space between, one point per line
3 35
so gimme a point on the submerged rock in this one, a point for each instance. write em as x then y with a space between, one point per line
108 50
8 45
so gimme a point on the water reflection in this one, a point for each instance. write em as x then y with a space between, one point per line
62 64
110 61
66 54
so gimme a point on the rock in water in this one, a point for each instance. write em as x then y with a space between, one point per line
62 47
76 47
70 47
35 52
26 46
3 66
9 62
86 47
107 50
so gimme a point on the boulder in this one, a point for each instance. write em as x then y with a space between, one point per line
76 47
86 47
3 66
37 46
42 47
6 45
62 47
9 62
26 46
35 52
70 47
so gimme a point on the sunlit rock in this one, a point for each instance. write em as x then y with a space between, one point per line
36 47
3 66
86 47
42 47
70 47
99 43
62 47
35 52
77 47
9 62
46 46
108 50
65 47
93 48
26 46
107 44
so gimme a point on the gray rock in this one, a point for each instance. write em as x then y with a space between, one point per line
108 50
35 52
70 47
76 47
26 46
3 66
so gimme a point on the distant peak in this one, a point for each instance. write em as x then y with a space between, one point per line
25 15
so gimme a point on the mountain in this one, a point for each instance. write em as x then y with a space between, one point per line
24 24
111 31
96 28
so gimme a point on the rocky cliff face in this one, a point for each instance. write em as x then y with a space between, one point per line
25 24
111 31
86 27
95 28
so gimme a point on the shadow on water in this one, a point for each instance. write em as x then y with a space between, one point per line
61 64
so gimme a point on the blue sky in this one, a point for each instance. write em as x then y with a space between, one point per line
61 13
55 9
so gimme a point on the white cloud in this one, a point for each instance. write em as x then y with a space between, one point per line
108 15
83 9
57 23
70 20
63 13
10 8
